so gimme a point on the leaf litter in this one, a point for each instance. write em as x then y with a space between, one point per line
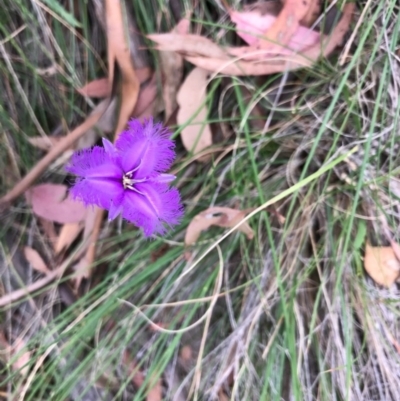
382 264
17 350
196 134
298 46
266 58
119 52
98 88
217 216
68 234
171 65
52 202
36 261
44 143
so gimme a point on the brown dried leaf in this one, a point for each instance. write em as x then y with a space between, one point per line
312 14
132 366
396 249
147 96
21 364
82 270
222 396
18 348
144 74
51 202
172 73
36 260
154 392
186 354
276 64
191 99
219 61
118 51
48 229
90 221
68 233
54 152
85 257
381 264
199 223
106 124
44 143
217 216
189 44
100 87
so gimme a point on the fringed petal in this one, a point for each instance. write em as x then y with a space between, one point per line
162 178
153 209
102 192
115 208
95 163
146 148
108 146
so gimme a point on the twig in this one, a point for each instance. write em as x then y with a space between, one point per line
57 273
37 285
59 148
349 43
90 253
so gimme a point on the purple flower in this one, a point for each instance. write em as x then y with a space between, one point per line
129 179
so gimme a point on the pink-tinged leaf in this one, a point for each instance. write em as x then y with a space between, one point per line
98 88
51 202
251 26
205 54
182 27
286 24
271 65
144 74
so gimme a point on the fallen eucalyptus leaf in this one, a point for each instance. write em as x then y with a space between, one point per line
191 100
382 264
217 216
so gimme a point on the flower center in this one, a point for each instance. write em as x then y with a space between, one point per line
128 182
